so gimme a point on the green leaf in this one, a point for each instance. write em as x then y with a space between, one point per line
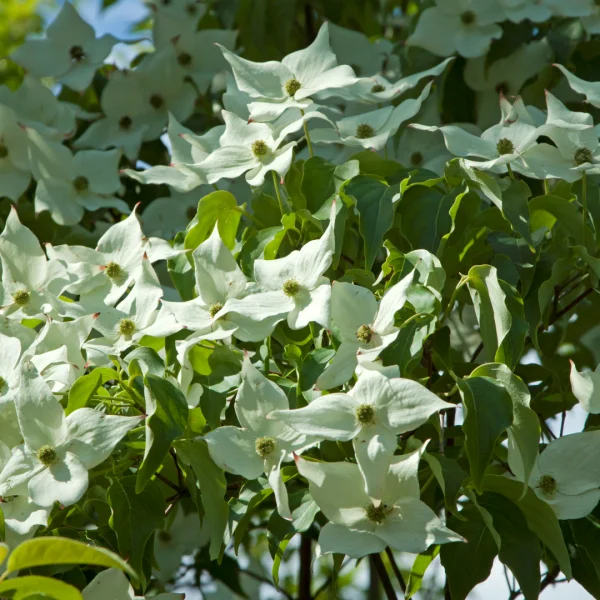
323 179
468 564
417 572
500 314
515 208
583 536
376 212
520 550
488 412
167 411
25 587
217 208
213 487
85 387
3 552
135 516
449 476
524 433
545 211
150 361
540 517
43 551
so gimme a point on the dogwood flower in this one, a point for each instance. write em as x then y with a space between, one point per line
277 86
219 282
293 285
371 129
71 52
360 524
259 445
566 475
31 284
58 451
102 275
69 185
371 414
21 516
113 584
10 356
365 327
246 148
14 157
586 388
464 26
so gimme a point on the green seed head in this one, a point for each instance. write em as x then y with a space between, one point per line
291 288
468 17
81 183
126 327
547 485
265 445
377 514
3 151
191 9
125 122
47 455
260 148
22 297
505 146
77 53
364 131
292 86
365 413
364 334
2 383
113 270
184 59
582 156
214 309
416 159
156 101
377 88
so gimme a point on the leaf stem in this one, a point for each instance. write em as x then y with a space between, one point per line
510 171
584 205
448 310
278 192
307 136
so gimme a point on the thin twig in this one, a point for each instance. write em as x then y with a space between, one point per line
395 568
388 588
304 578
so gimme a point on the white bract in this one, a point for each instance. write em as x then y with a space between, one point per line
567 475
15 172
586 388
365 327
58 451
372 414
259 445
113 584
361 525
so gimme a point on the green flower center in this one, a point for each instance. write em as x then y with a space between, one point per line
468 17
191 9
364 334
365 413
156 101
47 455
291 288
2 382
265 445
184 59
125 122
113 270
377 514
377 88
22 297
547 485
214 309
260 148
364 131
582 156
81 183
3 151
505 146
416 158
292 86
77 53
126 327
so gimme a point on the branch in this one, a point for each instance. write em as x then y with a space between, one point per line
388 588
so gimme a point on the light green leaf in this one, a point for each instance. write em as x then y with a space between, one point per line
417 572
25 587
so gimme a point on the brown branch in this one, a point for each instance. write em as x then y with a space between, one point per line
395 568
388 588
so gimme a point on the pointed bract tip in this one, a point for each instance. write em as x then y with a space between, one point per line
250 120
121 171
145 257
96 315
296 457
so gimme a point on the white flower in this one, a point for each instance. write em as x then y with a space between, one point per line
586 388
360 525
15 173
260 445
365 327
249 148
372 414
566 475
53 463
70 51
293 285
277 86
464 26
371 129
113 584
